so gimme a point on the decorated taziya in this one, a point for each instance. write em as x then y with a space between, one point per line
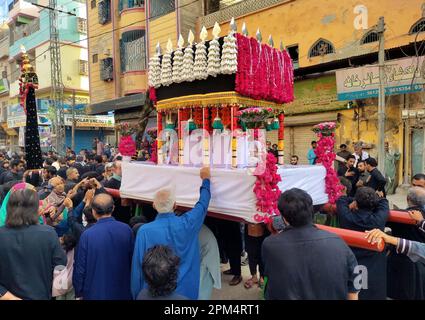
262 71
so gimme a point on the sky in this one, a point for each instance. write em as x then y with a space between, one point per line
3 9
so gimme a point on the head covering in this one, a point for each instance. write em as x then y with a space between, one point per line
18 186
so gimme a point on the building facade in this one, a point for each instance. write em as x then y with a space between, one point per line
324 38
29 27
123 34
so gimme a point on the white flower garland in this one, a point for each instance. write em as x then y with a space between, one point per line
201 62
187 73
177 66
214 58
229 57
154 72
166 70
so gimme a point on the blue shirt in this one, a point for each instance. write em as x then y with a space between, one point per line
103 261
181 234
311 156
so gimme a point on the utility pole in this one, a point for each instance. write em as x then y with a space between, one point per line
56 78
381 100
73 121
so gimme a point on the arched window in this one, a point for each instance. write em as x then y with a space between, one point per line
320 48
419 26
371 36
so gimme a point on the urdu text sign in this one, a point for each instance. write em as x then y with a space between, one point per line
363 82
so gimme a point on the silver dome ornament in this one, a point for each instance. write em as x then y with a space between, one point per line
282 47
244 30
271 42
258 35
233 26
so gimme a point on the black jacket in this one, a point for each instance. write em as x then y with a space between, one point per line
376 262
28 257
376 181
294 258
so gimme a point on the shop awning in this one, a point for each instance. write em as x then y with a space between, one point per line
135 100
9 131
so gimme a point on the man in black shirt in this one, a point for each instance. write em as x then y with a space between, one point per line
350 173
304 262
14 174
63 168
376 180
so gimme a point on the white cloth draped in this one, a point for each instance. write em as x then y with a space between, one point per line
231 189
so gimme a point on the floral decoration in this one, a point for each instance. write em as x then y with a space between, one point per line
266 191
325 155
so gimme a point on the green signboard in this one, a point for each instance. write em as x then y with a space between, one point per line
314 95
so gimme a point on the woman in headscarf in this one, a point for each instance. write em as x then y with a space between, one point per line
15 187
29 252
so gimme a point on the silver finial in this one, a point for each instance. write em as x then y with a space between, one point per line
233 26
258 35
158 49
244 30
271 42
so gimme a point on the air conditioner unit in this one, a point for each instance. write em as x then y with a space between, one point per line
405 114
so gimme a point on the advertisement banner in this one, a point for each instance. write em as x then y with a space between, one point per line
401 76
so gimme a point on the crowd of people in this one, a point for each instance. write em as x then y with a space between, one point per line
63 237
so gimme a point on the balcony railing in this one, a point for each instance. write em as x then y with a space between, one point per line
133 51
24 31
128 4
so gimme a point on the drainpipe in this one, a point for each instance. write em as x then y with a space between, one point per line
115 54
406 135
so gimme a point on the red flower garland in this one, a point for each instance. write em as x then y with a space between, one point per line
326 156
267 191
152 95
127 146
154 152
264 73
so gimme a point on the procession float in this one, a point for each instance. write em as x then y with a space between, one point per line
216 103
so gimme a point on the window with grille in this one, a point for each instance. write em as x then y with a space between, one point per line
106 69
83 67
104 11
82 25
127 4
419 26
93 4
371 36
133 51
321 48
159 8
95 58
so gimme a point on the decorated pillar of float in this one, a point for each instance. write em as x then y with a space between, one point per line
159 138
281 140
28 82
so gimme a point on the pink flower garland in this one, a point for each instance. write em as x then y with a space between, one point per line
267 191
127 146
264 73
326 156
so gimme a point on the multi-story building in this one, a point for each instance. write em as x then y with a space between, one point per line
29 26
6 135
122 36
323 38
